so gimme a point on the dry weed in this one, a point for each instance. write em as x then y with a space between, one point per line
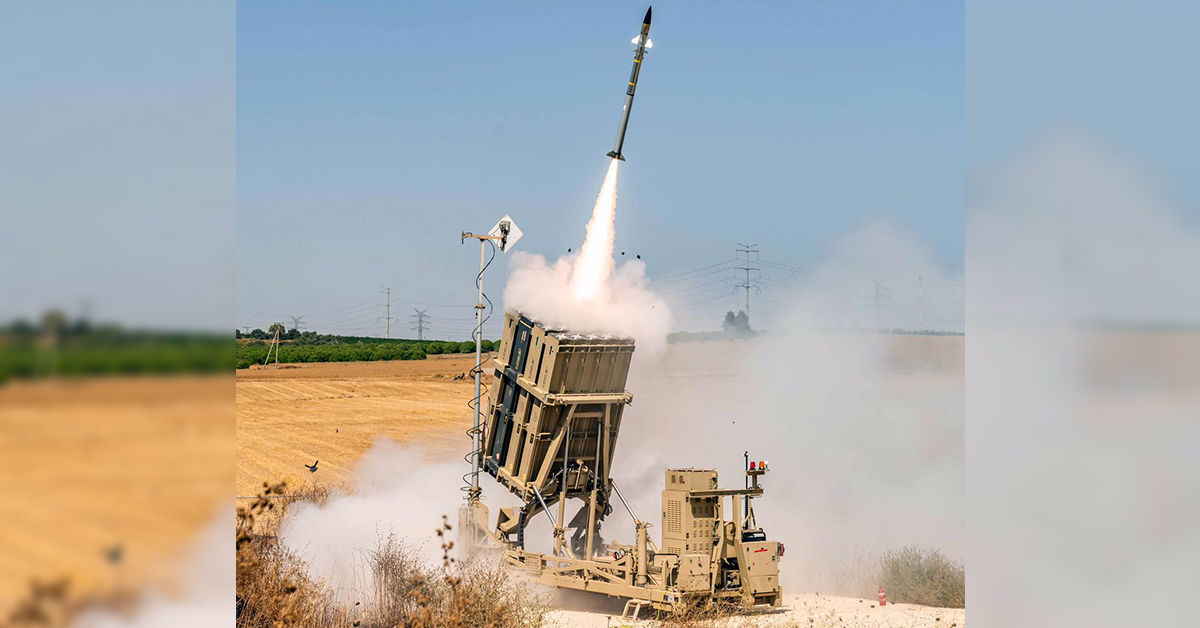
275 591
917 576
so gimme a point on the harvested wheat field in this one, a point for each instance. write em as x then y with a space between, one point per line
330 413
106 480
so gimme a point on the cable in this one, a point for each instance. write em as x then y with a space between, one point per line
690 288
711 272
695 294
477 370
711 300
784 266
372 301
659 279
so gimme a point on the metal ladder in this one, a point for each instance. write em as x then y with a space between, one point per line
632 608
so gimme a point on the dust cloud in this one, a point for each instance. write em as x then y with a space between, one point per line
396 492
863 431
1084 389
916 291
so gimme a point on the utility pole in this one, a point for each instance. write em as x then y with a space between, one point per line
880 290
387 316
274 345
502 236
748 249
419 322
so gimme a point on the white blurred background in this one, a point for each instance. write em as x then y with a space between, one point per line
1083 314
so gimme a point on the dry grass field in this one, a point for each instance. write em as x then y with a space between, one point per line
290 416
105 480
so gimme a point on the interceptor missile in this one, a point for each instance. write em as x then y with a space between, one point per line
643 44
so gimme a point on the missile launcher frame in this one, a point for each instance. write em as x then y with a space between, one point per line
555 408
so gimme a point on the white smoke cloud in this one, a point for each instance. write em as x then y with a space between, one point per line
396 491
1083 476
588 292
626 307
915 289
864 431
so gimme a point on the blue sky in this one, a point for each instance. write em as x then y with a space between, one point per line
1121 72
369 134
117 161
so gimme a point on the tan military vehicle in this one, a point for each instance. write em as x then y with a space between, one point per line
549 436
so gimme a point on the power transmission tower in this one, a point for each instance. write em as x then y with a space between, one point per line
419 322
387 317
296 322
748 249
880 289
246 329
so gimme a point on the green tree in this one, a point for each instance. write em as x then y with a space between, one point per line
742 321
739 322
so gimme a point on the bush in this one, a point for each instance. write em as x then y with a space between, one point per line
274 590
916 576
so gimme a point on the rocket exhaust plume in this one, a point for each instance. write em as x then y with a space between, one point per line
590 292
595 263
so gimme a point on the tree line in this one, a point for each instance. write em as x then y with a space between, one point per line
351 349
56 345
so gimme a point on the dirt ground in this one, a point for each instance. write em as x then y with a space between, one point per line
331 413
105 480
808 610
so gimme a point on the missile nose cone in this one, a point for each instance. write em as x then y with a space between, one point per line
647 20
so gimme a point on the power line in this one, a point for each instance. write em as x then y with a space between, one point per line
718 299
693 277
659 280
691 288
794 269
692 295
372 302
